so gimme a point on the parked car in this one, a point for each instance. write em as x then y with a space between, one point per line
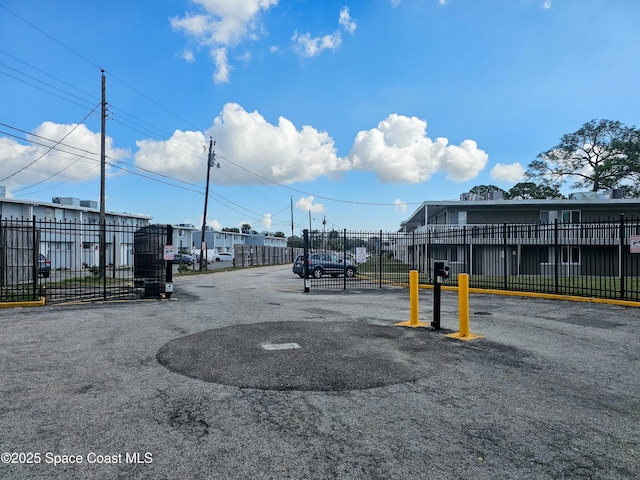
324 263
44 266
183 258
223 257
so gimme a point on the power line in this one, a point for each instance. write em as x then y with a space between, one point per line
50 148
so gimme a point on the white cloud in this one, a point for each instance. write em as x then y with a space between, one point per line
224 23
513 172
180 156
464 162
306 204
75 159
219 56
187 55
252 150
400 206
266 221
277 153
395 3
398 150
309 46
547 4
346 22
215 224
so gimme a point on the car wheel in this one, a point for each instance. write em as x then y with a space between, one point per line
218 259
350 272
317 272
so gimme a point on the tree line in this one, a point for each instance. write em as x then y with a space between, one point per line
601 155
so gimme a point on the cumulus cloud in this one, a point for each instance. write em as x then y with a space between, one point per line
76 158
398 150
547 4
222 23
175 157
308 46
513 172
278 153
306 204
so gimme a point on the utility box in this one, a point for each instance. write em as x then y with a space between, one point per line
440 271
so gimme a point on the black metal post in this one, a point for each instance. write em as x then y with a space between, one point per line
305 236
556 262
380 263
622 258
505 253
436 303
36 259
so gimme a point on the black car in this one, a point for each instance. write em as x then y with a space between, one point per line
44 266
324 263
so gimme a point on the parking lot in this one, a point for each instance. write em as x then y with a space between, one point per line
241 375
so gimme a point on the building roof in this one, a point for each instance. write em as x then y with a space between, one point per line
432 208
81 208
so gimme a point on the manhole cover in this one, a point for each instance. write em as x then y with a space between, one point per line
320 356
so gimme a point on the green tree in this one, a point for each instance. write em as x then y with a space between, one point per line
231 230
603 154
245 228
530 190
279 235
484 189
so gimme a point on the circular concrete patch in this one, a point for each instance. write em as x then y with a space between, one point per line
320 356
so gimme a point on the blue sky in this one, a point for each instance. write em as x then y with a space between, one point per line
353 111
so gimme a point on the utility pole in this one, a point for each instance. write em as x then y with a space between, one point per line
102 241
292 247
211 161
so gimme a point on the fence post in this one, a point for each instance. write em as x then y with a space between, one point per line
168 279
556 262
380 263
36 249
505 253
344 258
622 258
305 258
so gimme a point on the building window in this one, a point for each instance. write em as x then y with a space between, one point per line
548 216
571 216
570 254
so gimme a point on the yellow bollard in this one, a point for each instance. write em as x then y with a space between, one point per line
463 307
413 303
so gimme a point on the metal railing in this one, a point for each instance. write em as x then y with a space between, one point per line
595 259
60 261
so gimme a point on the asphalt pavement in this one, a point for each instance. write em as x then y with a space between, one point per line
242 375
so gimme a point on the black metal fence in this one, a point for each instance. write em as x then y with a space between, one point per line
598 259
60 260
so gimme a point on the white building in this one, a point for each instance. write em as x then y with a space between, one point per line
68 230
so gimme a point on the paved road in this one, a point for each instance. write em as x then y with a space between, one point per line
186 388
